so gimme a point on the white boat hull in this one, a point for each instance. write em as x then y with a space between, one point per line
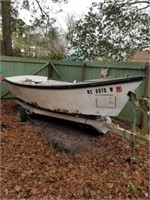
99 100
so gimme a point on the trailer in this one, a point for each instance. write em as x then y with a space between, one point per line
101 124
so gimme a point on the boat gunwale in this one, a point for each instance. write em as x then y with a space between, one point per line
79 85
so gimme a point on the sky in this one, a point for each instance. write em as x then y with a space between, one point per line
75 7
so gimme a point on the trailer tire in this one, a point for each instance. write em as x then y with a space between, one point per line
21 113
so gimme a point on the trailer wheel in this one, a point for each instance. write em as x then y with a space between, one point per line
21 113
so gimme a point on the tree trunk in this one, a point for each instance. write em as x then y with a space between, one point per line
6 28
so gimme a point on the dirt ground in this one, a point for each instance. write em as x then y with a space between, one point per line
47 158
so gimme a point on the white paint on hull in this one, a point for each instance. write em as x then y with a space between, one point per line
98 100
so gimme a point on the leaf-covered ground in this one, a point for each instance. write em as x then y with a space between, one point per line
31 168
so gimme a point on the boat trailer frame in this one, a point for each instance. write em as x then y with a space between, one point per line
102 125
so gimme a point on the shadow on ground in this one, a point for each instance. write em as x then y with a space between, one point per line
67 136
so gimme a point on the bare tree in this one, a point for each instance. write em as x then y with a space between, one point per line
7 19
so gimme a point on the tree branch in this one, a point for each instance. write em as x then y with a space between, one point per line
48 22
148 2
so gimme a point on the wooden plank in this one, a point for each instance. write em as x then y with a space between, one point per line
57 71
40 69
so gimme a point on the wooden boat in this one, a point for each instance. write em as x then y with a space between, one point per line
97 97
